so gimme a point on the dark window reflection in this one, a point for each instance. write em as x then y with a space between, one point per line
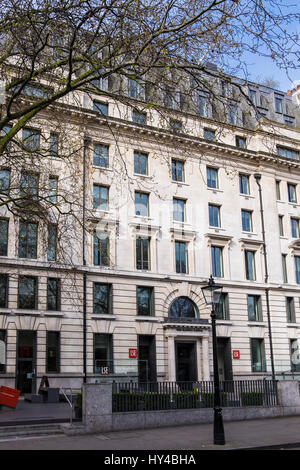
183 307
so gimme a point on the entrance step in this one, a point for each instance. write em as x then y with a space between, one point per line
29 430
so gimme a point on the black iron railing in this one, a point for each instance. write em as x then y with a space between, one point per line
133 396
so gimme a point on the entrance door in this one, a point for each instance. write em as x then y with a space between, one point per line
26 361
186 362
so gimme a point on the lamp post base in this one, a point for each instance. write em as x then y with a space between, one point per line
219 436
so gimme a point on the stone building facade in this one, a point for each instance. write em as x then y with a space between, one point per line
164 203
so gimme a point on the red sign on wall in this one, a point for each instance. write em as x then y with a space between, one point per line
133 353
236 354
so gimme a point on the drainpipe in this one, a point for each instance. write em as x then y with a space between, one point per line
84 259
257 177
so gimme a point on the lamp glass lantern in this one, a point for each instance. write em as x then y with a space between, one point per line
212 292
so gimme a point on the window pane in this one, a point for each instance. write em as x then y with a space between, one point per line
297 269
141 204
217 261
4 181
53 351
100 157
214 216
250 265
181 257
143 253
244 184
102 298
295 228
212 178
209 134
179 210
3 290
247 221
100 197
257 355
53 186
53 294
28 240
103 352
139 118
31 139
284 269
52 242
177 170
3 237
140 163
27 298
29 185
53 144
292 193
183 307
101 249
101 108
144 300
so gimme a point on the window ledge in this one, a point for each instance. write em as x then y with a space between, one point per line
180 183
140 175
256 323
21 311
100 316
247 196
105 168
294 204
293 325
54 313
146 318
214 190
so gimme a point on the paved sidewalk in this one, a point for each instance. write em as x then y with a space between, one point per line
251 434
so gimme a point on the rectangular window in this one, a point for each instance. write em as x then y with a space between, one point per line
209 134
203 105
100 197
297 268
145 301
287 152
253 97
52 242
181 257
290 310
284 269
222 311
143 253
247 221
177 170
141 204
3 237
258 360
175 126
31 139
135 89
102 298
28 232
254 308
101 249
278 104
53 294
278 194
140 163
250 265
240 142
53 188
179 210
292 192
244 184
2 351
27 293
29 185
100 155
53 144
103 353
233 114
4 181
138 117
212 177
214 215
53 351
101 108
217 261
3 290
295 228
280 222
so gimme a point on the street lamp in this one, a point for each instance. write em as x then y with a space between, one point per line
212 294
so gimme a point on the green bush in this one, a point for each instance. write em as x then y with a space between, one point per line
208 399
184 400
252 398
